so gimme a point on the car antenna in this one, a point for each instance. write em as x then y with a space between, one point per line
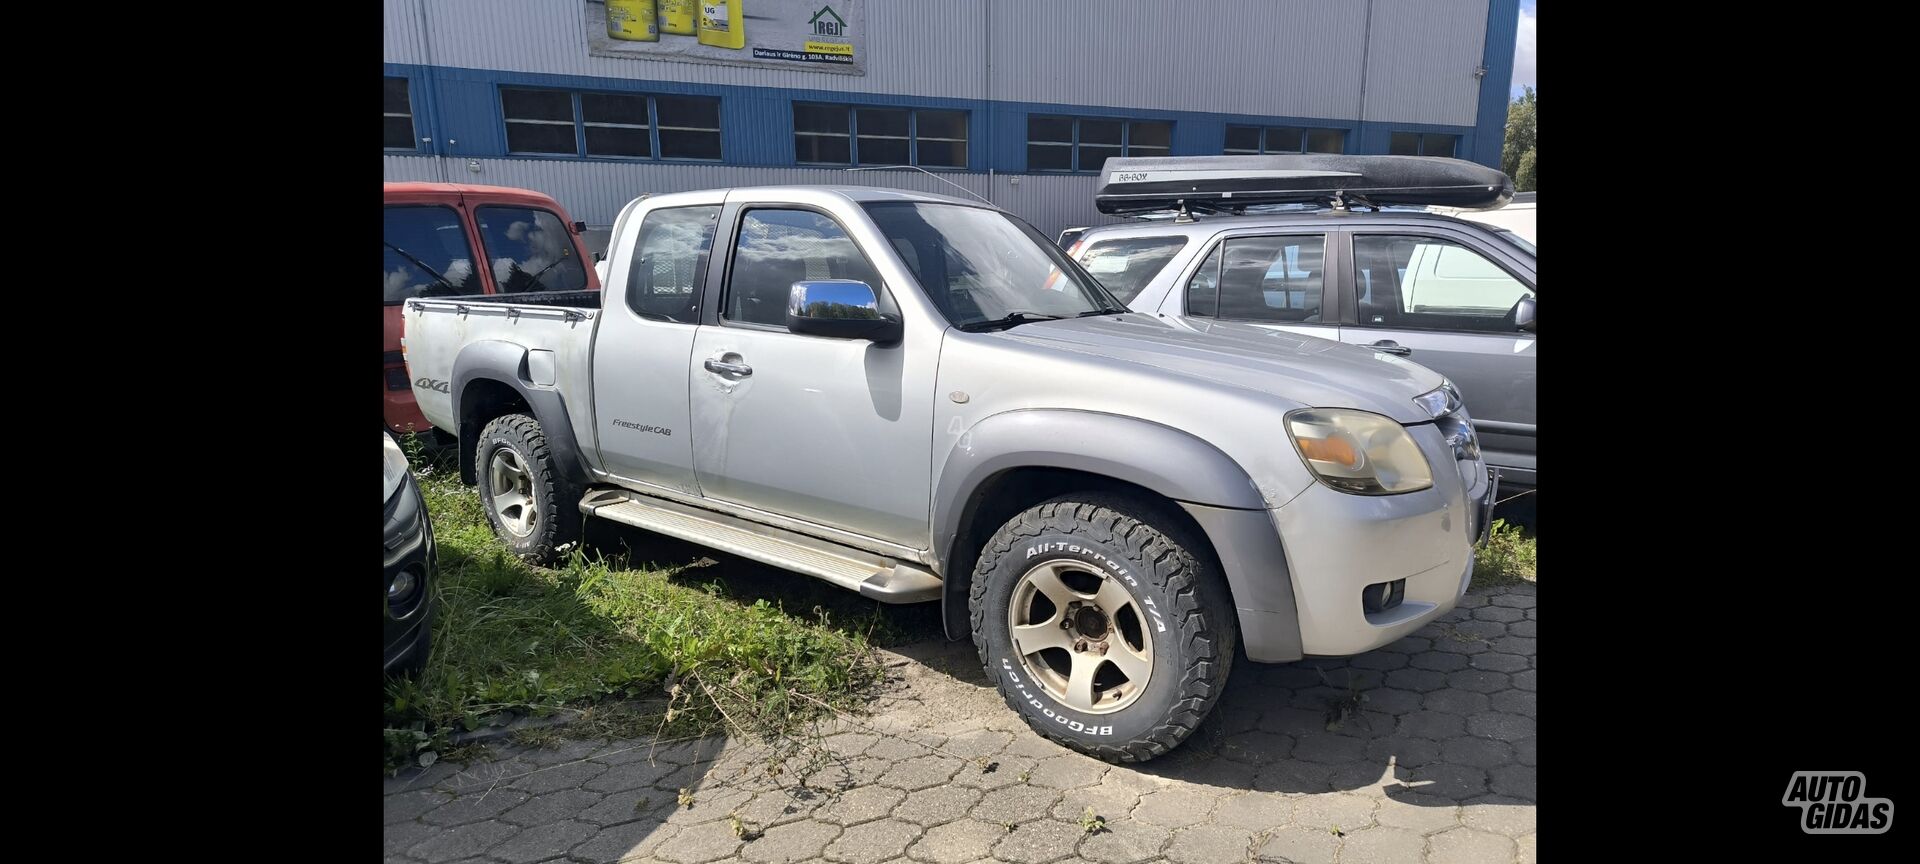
1181 215
926 172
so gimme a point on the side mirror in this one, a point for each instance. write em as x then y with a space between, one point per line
580 227
1523 314
839 309
599 256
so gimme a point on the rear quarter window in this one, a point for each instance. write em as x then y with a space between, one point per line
1126 265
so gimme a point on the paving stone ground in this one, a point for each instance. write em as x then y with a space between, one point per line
1436 765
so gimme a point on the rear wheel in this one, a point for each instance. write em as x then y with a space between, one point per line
529 504
1100 625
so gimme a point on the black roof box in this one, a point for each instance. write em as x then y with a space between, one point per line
1233 183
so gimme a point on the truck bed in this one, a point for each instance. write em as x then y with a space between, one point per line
546 337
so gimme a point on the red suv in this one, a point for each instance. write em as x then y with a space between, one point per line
432 231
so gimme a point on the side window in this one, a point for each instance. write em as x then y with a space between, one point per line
1126 266
529 250
1272 278
427 254
1203 288
670 263
780 247
1428 283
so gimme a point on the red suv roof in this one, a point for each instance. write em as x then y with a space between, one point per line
499 193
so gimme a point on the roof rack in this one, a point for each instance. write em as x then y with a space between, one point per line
1231 184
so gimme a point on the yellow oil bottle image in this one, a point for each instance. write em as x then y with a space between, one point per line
722 25
677 16
633 20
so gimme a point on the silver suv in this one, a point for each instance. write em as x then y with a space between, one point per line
1449 294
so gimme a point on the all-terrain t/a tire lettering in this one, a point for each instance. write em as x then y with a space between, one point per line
1101 626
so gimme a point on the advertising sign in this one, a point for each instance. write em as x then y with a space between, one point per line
812 35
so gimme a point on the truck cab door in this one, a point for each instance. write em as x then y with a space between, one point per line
642 348
836 432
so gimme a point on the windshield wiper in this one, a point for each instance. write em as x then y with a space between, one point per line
1011 319
423 265
1092 312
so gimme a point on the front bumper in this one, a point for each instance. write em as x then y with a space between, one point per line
409 546
1336 544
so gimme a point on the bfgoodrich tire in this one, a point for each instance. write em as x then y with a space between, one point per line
529 504
1101 626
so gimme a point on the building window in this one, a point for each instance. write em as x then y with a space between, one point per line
1086 143
1422 144
846 135
399 117
539 121
1284 139
615 124
611 125
689 128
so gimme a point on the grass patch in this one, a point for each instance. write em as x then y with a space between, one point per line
1507 558
512 639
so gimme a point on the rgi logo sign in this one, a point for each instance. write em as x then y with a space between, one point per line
827 22
1834 802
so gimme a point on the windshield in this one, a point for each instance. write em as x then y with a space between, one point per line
980 265
1519 241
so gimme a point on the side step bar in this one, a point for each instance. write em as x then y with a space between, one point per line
876 576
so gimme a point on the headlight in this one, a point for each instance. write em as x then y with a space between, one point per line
1359 452
1449 414
396 467
1440 401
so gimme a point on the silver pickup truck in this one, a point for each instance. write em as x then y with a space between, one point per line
921 398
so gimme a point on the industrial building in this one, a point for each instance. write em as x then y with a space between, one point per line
1017 103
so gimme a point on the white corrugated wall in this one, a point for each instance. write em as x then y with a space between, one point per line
1421 57
1287 58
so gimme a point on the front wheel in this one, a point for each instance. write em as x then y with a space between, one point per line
527 501
1101 626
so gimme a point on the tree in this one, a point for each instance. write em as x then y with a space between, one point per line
1517 152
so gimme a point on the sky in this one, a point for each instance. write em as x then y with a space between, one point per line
1523 54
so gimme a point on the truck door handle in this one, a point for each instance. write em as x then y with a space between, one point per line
719 367
1388 346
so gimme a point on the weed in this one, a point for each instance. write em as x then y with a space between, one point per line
545 737
1092 824
1345 705
686 797
1507 558
468 753
596 632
